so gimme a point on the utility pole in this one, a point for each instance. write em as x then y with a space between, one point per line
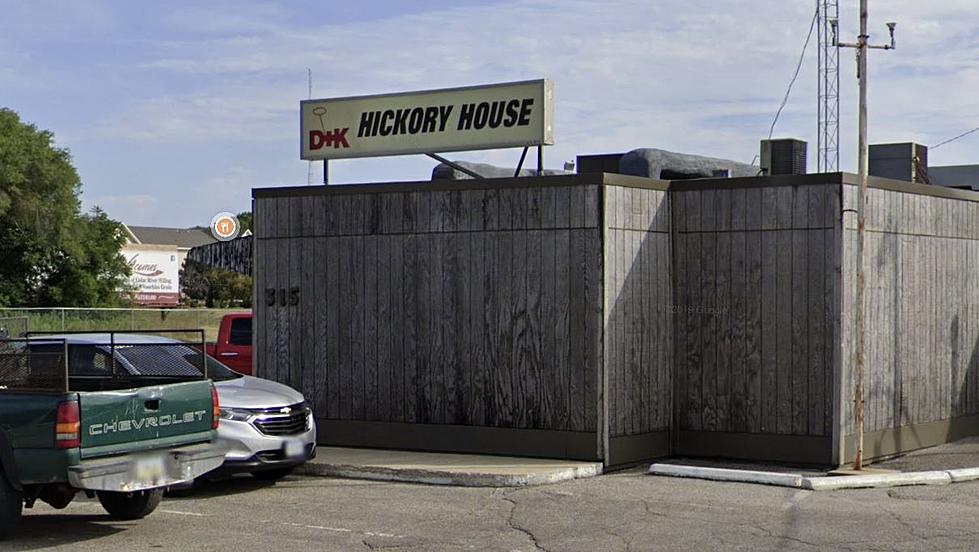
862 46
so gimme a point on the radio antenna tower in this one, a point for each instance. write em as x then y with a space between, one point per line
828 156
309 96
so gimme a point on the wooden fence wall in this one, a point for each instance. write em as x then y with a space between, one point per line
638 321
756 303
448 307
614 318
922 305
233 255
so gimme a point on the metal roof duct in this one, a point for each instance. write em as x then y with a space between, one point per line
668 165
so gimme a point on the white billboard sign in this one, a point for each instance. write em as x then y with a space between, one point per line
454 119
155 274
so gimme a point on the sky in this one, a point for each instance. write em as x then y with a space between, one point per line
174 110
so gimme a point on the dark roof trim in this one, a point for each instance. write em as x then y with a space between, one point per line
755 182
594 179
933 190
609 179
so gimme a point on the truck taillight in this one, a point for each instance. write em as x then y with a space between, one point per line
67 427
216 414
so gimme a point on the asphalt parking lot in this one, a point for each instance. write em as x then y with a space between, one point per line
622 511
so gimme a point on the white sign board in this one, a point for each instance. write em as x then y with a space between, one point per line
453 119
154 279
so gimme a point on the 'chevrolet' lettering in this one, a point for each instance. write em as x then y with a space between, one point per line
163 420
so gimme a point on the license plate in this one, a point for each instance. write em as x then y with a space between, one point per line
149 468
294 448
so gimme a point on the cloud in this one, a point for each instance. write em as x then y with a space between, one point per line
239 114
696 76
228 189
610 63
686 75
124 207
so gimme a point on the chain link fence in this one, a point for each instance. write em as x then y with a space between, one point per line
18 321
13 326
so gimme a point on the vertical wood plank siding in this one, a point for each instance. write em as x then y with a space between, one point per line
752 304
639 310
236 255
922 303
613 310
473 307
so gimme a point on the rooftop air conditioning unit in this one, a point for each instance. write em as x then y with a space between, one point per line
906 161
783 156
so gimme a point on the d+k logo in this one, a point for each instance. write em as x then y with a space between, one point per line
318 139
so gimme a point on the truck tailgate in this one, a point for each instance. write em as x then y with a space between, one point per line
130 420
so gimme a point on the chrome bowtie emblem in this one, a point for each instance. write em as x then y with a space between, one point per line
286 410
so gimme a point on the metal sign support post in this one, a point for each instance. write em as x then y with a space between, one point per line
523 155
326 172
862 47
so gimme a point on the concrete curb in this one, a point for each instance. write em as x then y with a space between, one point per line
443 477
724 474
963 474
837 482
829 483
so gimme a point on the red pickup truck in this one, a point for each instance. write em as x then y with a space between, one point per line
234 344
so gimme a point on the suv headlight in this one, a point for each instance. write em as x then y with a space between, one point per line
235 414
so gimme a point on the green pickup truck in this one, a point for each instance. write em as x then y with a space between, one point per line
95 413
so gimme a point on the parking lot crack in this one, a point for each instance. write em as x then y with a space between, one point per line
649 509
520 529
389 545
773 535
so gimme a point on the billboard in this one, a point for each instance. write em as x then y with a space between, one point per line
155 277
453 119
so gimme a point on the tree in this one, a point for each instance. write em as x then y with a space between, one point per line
89 271
216 287
52 254
245 221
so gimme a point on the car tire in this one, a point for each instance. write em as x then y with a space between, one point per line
273 474
11 507
134 505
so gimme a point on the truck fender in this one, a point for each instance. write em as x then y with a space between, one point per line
8 462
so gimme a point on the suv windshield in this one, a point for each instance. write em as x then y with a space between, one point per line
215 370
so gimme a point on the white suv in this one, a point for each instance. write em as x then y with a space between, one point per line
266 425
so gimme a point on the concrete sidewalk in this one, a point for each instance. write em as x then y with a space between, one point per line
464 470
950 463
963 453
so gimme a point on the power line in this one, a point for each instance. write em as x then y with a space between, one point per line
963 135
798 67
795 75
